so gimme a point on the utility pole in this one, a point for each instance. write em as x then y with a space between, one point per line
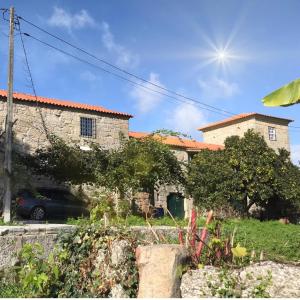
8 124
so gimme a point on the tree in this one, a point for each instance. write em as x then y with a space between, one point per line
206 179
138 165
245 173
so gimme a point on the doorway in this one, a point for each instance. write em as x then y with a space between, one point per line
175 204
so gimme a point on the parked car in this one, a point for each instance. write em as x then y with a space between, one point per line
49 203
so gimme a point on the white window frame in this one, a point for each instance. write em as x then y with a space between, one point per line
272 133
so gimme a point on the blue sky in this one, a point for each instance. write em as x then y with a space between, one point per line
171 43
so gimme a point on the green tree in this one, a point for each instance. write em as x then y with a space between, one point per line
144 165
246 172
138 165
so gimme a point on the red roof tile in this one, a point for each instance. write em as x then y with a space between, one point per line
178 142
63 103
236 118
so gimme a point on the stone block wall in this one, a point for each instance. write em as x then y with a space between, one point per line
282 134
12 239
62 121
219 135
259 124
29 130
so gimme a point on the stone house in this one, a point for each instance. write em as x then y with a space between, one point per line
72 121
169 196
273 129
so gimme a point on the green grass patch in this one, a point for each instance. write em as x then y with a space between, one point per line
278 242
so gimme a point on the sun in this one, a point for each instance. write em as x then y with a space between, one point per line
221 56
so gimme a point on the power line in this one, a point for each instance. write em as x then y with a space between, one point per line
190 100
127 72
119 76
31 80
123 70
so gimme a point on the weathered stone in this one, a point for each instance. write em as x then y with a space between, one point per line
61 121
160 270
259 123
8 253
285 279
119 252
278 280
117 291
13 238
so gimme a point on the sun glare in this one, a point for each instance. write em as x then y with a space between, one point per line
222 56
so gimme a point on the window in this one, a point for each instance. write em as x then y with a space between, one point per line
272 133
88 127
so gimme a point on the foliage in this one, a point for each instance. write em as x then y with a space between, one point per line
85 270
143 165
210 246
231 285
279 242
168 132
67 163
246 172
133 220
136 165
35 275
82 267
228 286
260 290
104 206
206 179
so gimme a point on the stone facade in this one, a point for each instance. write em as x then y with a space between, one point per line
62 121
259 123
161 195
32 120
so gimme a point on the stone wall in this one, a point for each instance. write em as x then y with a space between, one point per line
32 119
258 280
161 196
259 124
62 121
12 239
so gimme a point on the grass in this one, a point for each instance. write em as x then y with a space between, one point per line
278 242
140 221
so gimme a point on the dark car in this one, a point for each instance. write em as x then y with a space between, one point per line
49 203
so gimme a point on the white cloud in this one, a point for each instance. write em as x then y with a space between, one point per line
124 58
62 18
147 100
186 118
216 88
295 154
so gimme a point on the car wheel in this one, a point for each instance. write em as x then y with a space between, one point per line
38 213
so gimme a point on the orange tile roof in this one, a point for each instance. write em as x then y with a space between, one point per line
236 118
63 103
178 142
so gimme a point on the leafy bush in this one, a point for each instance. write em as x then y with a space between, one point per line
244 173
82 267
104 206
83 276
35 275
